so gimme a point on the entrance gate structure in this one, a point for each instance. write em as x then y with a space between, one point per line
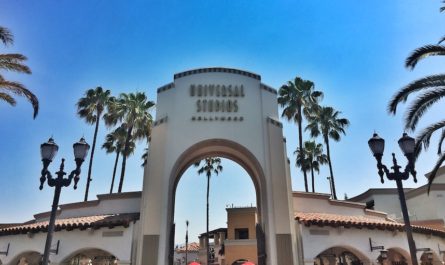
226 113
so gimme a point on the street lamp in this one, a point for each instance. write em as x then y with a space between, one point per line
186 241
407 145
48 151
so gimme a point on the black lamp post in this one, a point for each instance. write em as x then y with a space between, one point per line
48 151
186 241
407 145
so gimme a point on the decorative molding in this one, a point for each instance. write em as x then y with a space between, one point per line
268 88
217 70
123 195
166 87
217 118
160 121
112 233
240 242
275 122
319 232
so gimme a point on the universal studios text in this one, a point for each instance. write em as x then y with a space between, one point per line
217 98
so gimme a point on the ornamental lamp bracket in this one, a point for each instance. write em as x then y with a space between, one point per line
375 247
5 252
56 250
440 251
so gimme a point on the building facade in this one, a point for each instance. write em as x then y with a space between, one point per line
230 113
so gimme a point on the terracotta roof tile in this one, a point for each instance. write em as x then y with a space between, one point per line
192 247
95 222
361 221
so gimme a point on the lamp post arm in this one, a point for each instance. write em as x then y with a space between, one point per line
410 167
381 167
45 174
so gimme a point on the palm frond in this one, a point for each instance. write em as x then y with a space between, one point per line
441 40
7 98
422 83
91 106
433 173
13 62
441 139
21 90
419 107
423 52
6 36
425 135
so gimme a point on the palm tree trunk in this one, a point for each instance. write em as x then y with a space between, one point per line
124 158
334 193
300 142
313 185
92 156
114 171
207 221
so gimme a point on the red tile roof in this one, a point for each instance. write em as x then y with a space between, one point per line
192 247
94 222
370 222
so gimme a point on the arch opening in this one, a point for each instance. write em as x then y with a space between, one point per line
91 256
396 256
232 154
341 255
27 258
430 258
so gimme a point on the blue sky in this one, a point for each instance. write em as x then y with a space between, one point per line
353 51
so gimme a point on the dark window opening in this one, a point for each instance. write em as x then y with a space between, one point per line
241 233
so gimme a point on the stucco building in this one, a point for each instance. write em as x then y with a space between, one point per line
230 113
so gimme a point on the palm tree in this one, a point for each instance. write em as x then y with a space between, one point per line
431 89
298 97
211 165
302 161
133 109
314 158
325 121
90 108
14 62
114 143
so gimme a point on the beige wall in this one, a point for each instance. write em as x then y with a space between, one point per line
241 218
234 253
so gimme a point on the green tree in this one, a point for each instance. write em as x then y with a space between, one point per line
114 143
314 157
302 160
430 90
298 98
133 110
14 62
210 165
90 108
325 122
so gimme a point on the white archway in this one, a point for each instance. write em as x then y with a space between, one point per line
27 258
228 113
341 254
90 256
397 256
